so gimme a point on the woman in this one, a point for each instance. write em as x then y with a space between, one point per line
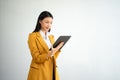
43 64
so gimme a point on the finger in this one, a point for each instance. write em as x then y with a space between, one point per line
61 44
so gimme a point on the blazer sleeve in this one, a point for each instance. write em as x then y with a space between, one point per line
37 57
57 54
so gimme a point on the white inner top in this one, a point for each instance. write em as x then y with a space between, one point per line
46 38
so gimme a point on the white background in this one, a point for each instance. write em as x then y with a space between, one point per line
92 53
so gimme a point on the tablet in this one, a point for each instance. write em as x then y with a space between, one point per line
61 39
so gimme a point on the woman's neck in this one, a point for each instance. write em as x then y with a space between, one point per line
44 32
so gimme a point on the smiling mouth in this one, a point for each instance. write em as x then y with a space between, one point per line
47 28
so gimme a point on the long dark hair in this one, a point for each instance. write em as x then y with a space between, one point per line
42 15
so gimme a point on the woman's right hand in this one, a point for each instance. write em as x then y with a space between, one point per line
54 50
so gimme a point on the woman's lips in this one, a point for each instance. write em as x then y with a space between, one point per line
47 28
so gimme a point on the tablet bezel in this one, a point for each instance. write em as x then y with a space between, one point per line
62 38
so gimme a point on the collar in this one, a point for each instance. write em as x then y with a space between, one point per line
45 36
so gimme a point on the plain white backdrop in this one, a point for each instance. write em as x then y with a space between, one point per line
92 53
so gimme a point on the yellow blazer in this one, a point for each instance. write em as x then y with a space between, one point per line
41 68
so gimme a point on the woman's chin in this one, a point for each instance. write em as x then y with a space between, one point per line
46 30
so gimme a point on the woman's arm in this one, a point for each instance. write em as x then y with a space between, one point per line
56 54
57 49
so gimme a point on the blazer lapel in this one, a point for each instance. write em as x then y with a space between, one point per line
51 38
42 42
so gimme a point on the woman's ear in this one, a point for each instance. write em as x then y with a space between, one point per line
40 21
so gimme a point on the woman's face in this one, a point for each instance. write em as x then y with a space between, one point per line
46 24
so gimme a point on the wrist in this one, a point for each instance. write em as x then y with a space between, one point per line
48 55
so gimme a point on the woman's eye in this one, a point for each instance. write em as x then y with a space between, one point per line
46 22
